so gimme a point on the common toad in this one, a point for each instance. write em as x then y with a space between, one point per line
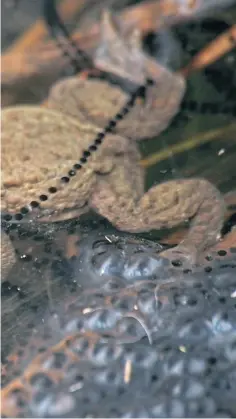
40 145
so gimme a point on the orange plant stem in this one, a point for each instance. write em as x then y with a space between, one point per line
38 31
212 52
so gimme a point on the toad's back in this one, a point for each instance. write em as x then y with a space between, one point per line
39 147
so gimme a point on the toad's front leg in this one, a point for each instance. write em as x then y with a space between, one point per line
165 206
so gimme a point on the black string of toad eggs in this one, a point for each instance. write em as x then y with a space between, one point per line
79 59
139 92
60 34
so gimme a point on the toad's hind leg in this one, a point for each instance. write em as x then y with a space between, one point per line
166 206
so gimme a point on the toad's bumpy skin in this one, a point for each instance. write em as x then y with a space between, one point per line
148 118
39 146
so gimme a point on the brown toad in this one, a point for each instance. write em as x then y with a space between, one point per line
41 145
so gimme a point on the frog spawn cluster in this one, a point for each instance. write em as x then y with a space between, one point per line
189 319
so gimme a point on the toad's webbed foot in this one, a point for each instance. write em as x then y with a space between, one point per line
120 53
